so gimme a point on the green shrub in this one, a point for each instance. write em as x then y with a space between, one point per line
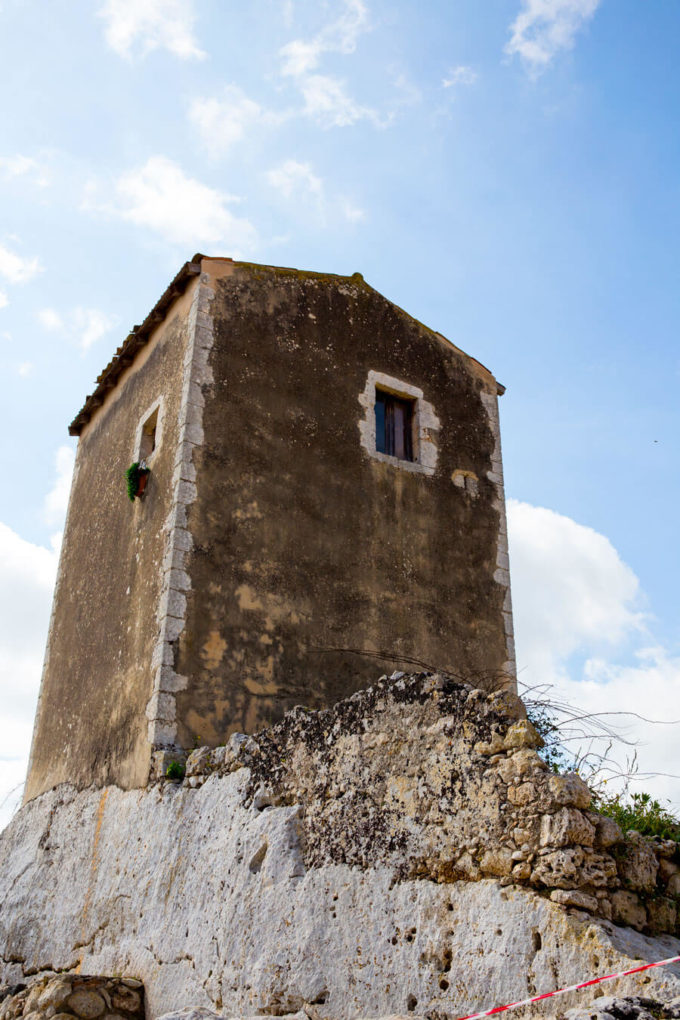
553 751
641 812
175 770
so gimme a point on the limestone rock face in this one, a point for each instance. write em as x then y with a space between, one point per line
363 861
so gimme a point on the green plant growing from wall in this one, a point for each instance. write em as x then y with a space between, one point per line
134 478
175 770
573 742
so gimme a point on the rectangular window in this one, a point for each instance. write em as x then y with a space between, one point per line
393 425
148 439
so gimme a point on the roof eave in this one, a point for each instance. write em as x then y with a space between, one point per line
136 339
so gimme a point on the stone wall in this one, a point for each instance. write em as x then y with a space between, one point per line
399 853
73 997
437 780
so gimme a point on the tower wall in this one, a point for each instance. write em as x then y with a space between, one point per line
97 679
311 553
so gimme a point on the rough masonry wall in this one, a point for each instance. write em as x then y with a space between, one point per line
91 724
438 780
306 549
357 861
73 997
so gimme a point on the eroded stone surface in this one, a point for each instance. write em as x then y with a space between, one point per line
338 862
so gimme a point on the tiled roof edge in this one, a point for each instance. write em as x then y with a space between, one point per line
134 342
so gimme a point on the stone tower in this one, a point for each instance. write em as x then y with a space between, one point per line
325 499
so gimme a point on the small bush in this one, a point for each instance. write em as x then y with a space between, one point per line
553 752
175 770
640 812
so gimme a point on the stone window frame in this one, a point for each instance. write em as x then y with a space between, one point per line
159 407
426 424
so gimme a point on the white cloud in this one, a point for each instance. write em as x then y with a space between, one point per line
56 500
325 97
17 268
460 75
327 101
24 369
85 326
160 197
340 36
544 27
571 588
151 25
27 574
24 166
352 212
4 300
292 177
51 320
576 606
90 325
224 121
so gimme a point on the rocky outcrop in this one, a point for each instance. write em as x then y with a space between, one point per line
436 780
354 862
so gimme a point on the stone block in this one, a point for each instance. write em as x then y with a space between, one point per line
567 826
607 831
560 869
627 909
161 706
569 791
574 898
662 914
497 862
638 865
198 761
522 734
86 1003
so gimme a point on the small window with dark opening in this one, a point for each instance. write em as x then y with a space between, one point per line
148 442
393 425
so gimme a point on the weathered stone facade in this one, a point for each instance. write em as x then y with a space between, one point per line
405 851
276 552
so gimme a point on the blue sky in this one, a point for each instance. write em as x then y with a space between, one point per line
506 170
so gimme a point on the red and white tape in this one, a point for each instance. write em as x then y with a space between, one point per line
572 988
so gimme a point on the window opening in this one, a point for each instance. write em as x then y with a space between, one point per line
393 425
148 442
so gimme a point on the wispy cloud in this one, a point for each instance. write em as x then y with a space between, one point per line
223 121
327 102
296 180
85 326
352 213
340 36
544 27
158 196
4 300
294 177
461 75
136 27
24 369
24 166
326 98
18 268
